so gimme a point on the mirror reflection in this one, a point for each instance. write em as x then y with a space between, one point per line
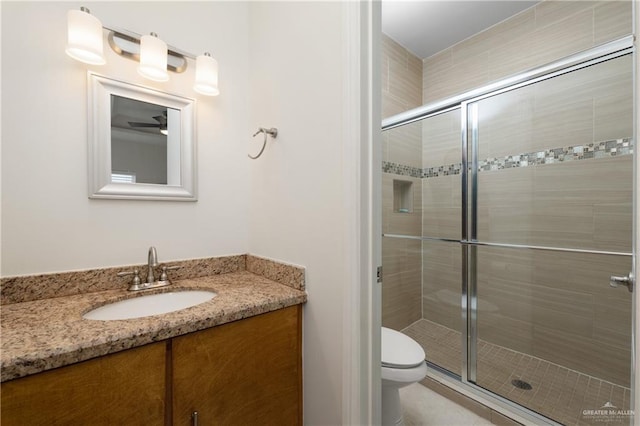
145 143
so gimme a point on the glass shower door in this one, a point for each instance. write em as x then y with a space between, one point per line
421 251
441 325
551 221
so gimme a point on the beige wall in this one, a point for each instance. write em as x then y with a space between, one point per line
401 259
547 32
48 222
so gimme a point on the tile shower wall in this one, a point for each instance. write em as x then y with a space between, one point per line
546 32
402 151
556 172
594 135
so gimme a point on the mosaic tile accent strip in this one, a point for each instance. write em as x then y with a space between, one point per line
604 149
399 169
612 148
451 169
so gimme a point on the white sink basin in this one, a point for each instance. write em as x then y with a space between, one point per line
152 304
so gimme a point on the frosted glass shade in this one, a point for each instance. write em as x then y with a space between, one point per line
84 37
153 58
206 75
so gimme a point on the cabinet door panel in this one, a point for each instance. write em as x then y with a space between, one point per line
246 372
123 388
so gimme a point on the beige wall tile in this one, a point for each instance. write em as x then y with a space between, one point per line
612 226
612 20
545 33
392 105
435 79
402 78
587 356
549 13
561 121
391 50
517 28
401 223
384 74
577 204
506 332
590 105
441 140
442 213
405 145
401 286
441 284
506 124
535 299
611 320
442 222
405 83
507 59
442 191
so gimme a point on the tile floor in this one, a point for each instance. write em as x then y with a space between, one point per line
424 407
557 392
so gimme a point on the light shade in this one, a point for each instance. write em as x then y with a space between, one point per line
153 58
206 75
84 37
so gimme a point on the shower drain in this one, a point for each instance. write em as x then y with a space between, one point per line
521 384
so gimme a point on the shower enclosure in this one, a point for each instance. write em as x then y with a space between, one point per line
500 243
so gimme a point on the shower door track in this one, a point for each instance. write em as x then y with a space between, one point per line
469 241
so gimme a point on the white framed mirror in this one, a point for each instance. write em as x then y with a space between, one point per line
141 142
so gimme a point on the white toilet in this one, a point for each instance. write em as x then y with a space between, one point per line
403 363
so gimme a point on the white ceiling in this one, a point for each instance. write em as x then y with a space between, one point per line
429 26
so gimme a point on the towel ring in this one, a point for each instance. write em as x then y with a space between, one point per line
273 132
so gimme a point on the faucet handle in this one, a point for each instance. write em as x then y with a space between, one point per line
163 275
137 282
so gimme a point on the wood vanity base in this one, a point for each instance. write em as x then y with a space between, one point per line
240 373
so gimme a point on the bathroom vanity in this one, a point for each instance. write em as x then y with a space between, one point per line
233 360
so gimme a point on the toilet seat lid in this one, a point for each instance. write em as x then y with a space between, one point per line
400 350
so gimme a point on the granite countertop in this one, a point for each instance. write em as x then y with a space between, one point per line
44 334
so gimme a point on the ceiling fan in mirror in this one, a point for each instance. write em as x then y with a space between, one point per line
161 123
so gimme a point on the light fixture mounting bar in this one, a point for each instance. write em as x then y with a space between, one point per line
137 37
134 54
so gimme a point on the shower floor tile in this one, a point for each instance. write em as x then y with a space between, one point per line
556 392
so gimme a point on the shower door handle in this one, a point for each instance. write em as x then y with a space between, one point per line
626 281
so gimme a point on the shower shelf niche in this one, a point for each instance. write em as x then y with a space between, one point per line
402 196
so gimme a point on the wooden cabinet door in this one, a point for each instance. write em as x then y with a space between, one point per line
125 388
247 372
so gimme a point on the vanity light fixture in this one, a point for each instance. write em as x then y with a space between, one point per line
206 75
85 44
84 37
153 58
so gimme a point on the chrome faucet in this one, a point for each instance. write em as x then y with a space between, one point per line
152 261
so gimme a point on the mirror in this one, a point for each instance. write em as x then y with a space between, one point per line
141 142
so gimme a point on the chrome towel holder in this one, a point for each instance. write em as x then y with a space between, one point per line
273 132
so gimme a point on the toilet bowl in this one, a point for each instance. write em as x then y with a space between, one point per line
403 363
